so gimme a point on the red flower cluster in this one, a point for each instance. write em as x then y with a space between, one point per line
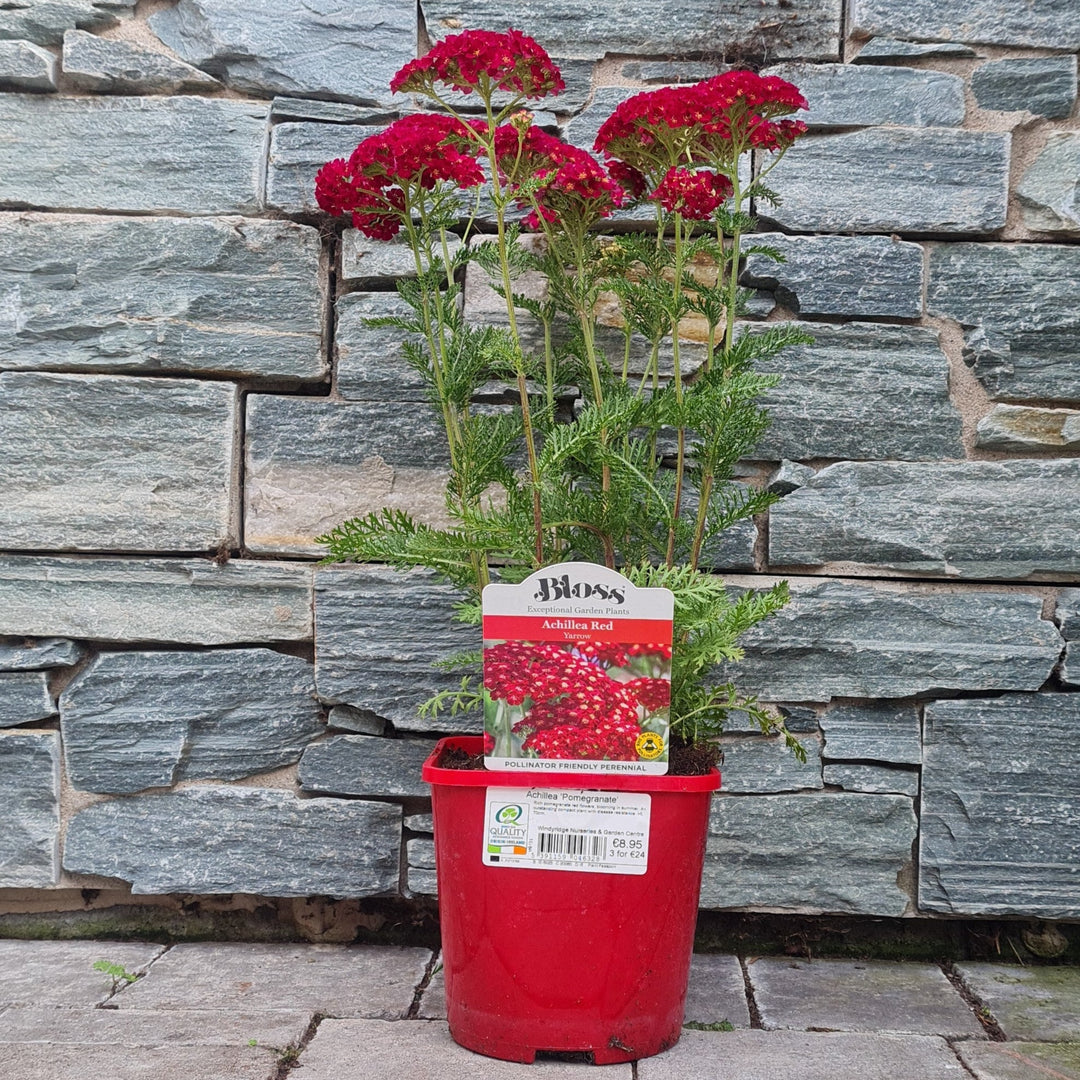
652 693
695 195
511 61
424 150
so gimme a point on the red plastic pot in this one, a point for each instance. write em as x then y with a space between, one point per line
564 960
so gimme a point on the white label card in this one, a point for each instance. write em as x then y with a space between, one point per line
599 832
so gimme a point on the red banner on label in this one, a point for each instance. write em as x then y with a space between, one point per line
576 628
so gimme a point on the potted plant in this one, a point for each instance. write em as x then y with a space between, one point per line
614 464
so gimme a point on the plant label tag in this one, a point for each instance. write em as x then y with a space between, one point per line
577 673
598 832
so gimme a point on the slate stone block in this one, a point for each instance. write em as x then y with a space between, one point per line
313 463
24 697
378 634
172 601
581 131
1019 351
238 839
877 779
114 66
1070 666
348 53
754 765
1047 191
886 180
107 463
1000 809
366 765
45 23
30 780
881 50
29 655
26 66
420 853
1050 24
184 155
366 261
347 718
370 361
1068 613
842 95
327 112
136 720
222 295
847 639
657 29
840 275
882 731
828 852
861 390
977 519
1023 427
1043 85
670 71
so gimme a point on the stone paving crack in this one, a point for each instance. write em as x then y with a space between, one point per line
978 1007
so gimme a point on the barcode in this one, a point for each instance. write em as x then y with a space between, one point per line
563 843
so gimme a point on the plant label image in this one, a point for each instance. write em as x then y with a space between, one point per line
577 673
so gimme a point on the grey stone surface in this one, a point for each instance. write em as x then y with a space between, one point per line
1048 190
124 67
849 639
420 822
420 852
882 50
179 1062
771 1055
981 519
1000 816
581 131
1030 1003
134 720
185 602
187 155
364 260
877 779
107 463
327 112
44 21
716 991
370 360
313 463
423 1051
378 634
1043 85
422 883
754 764
1020 1061
26 66
859 995
1070 666
36 655
348 718
843 95
840 275
297 152
61 973
366 765
1051 23
789 476
226 296
861 390
24 697
670 71
882 731
830 852
349 53
1023 427
657 29
334 980
30 780
1068 613
1019 299
903 180
239 839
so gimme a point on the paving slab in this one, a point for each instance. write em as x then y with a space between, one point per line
61 973
1037 1004
433 1000
334 980
43 1062
420 1050
717 992
1021 1061
791 1055
855 995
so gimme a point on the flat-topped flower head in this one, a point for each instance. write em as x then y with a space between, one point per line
695 195
482 60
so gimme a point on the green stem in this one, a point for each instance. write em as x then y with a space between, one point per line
680 463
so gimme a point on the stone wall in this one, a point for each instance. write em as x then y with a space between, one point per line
189 705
